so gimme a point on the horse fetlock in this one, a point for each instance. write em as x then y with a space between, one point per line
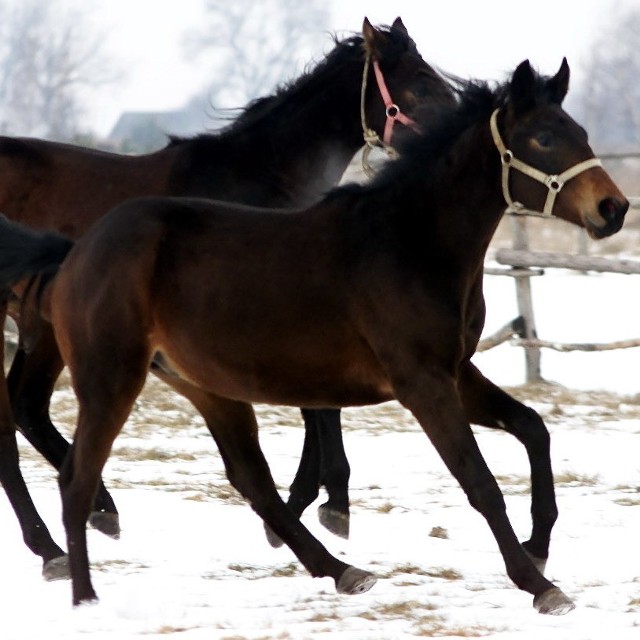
539 562
88 600
354 581
553 602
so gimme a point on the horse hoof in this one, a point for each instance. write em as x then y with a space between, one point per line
107 523
85 601
272 538
56 569
354 581
553 602
335 521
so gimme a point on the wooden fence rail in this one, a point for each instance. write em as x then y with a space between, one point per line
524 264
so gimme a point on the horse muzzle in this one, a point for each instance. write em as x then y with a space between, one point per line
611 211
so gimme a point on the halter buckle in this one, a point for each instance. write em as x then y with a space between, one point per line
506 157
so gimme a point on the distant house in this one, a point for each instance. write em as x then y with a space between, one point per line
144 131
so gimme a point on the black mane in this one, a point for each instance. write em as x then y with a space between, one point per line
442 124
345 51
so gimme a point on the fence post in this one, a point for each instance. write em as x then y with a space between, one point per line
525 303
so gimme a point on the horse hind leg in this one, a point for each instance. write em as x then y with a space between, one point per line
323 463
234 428
31 382
106 383
34 531
305 487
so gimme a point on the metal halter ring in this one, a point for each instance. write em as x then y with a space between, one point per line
507 157
392 111
553 183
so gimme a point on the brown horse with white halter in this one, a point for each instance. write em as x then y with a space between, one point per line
284 150
230 305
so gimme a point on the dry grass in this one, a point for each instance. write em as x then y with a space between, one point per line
425 623
253 572
439 532
413 569
167 630
571 479
513 485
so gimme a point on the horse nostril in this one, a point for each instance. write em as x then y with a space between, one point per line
613 209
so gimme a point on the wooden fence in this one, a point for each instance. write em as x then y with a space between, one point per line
522 264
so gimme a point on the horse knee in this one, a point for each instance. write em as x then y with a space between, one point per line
487 499
531 430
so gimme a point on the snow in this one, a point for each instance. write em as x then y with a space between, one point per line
193 562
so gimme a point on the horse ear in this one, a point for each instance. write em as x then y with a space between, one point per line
559 84
522 89
398 25
374 40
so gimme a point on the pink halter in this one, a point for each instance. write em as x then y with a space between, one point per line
391 108
393 112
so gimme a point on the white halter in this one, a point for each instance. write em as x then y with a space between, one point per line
553 182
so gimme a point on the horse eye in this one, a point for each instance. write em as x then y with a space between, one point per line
421 92
543 138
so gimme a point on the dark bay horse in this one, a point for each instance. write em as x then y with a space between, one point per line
373 293
284 150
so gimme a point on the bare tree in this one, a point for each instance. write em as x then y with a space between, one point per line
608 101
48 58
253 46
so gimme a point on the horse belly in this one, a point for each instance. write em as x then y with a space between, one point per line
290 370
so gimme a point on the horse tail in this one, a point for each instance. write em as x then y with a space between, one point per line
33 258
28 253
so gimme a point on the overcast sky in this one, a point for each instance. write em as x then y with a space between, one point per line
479 38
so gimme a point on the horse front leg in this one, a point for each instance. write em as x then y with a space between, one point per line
432 396
31 382
323 463
488 405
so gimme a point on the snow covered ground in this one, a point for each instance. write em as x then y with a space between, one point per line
193 562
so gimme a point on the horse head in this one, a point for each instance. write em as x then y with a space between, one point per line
547 163
395 81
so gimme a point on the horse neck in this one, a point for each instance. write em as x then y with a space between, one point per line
465 204
307 142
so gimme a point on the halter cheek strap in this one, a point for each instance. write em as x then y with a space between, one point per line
392 111
554 183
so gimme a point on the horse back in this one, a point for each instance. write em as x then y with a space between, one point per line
64 187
